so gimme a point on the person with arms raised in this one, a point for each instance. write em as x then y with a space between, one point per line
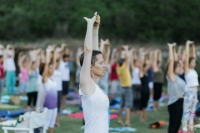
95 102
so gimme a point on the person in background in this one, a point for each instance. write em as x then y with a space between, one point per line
192 83
105 49
150 74
32 87
126 91
158 78
145 92
50 87
181 60
2 74
57 77
22 63
64 68
94 100
78 68
136 82
175 90
114 80
10 68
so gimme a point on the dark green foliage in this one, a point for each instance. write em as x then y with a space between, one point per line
140 20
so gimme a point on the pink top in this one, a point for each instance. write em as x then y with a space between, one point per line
24 74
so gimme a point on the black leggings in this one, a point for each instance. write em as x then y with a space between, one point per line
136 89
144 98
175 115
32 98
157 91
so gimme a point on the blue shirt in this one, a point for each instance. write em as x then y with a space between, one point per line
150 74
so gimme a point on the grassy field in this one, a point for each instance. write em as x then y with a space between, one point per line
71 125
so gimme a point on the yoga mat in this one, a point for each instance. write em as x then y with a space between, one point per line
3 113
79 115
8 106
16 112
123 129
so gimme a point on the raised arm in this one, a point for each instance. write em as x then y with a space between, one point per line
125 47
142 57
187 56
21 57
95 34
113 56
159 55
85 74
107 52
133 57
102 45
174 53
193 51
46 67
170 70
155 59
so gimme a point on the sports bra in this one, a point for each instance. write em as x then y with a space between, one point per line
191 78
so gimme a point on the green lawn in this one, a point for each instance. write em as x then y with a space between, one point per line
72 125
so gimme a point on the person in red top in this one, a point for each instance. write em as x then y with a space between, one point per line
113 75
2 75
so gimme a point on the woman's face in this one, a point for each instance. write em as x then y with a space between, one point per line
146 68
99 68
192 64
24 64
137 63
177 69
50 70
34 66
159 65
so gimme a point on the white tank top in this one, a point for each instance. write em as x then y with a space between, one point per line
95 110
136 77
191 78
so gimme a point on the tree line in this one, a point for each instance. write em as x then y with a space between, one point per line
131 20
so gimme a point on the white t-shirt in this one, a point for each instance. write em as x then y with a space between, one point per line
57 77
136 76
9 64
65 70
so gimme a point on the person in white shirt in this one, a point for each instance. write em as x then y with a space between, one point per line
65 75
95 102
57 76
9 67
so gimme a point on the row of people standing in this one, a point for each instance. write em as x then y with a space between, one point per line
137 83
182 88
43 78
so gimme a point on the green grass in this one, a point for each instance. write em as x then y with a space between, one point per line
72 125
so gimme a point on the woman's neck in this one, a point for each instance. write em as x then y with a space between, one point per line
95 78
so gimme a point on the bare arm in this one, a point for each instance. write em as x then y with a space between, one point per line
174 53
193 51
187 54
102 45
125 47
154 59
133 56
46 67
95 35
107 52
85 75
79 51
20 60
142 57
113 56
170 71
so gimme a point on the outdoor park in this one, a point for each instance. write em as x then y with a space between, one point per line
99 66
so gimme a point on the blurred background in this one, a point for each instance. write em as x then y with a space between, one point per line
144 21
134 22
